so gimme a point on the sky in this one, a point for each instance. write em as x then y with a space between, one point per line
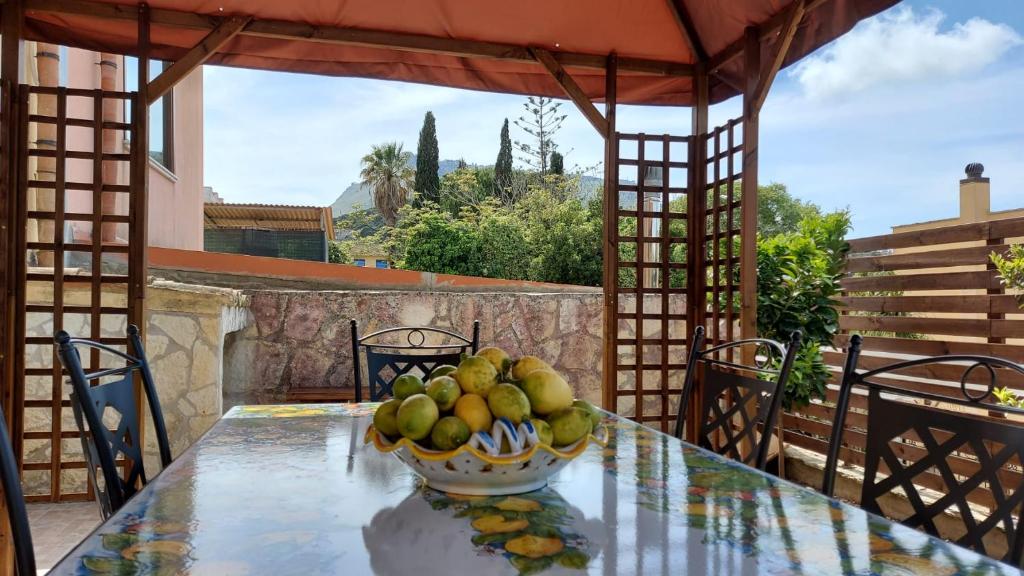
882 121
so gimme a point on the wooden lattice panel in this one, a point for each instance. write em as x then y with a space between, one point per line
79 240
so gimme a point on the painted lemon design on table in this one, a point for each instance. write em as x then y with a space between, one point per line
496 524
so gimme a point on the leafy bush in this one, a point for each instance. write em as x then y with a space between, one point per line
797 282
336 253
1011 269
564 238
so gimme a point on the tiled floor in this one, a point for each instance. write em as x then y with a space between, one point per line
56 528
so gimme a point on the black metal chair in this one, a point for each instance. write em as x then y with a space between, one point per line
24 556
92 396
955 453
755 401
387 361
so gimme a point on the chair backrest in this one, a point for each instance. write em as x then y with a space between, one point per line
24 557
92 395
387 357
938 449
739 405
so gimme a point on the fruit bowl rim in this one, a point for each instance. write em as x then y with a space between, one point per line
382 444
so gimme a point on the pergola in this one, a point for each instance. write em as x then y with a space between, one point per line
690 53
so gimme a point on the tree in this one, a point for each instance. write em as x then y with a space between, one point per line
557 163
386 171
503 165
541 122
336 253
778 212
427 182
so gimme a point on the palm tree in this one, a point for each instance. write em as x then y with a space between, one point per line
387 172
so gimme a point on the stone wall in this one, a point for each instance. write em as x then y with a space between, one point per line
185 333
302 339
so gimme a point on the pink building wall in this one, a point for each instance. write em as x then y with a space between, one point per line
175 198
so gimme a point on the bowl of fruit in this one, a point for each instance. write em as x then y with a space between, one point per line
489 426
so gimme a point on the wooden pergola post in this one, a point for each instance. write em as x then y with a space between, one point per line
609 248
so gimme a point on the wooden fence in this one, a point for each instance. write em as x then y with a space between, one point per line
926 292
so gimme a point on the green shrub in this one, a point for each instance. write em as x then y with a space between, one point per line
1011 269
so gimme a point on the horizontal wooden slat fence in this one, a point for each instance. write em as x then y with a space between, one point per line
921 293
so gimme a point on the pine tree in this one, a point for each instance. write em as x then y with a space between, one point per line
427 181
542 122
503 166
557 163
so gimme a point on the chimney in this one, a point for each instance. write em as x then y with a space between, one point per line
974 194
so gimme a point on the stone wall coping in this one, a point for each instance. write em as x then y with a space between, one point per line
167 296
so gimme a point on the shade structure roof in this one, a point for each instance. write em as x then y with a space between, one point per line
268 217
473 44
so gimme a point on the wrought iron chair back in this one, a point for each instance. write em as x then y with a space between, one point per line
21 534
755 400
91 398
387 361
967 452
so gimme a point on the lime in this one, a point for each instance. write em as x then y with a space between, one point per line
449 433
385 418
417 416
568 425
406 385
543 431
442 370
444 390
594 413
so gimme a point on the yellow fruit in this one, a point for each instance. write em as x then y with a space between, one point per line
406 385
385 418
472 409
496 524
417 416
595 414
476 375
442 370
444 390
527 364
156 547
449 433
543 431
513 504
508 401
568 425
548 392
497 357
534 546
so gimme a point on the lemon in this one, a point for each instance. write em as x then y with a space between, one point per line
498 358
406 385
594 413
441 370
548 392
444 390
476 375
508 401
472 409
449 433
568 425
543 431
527 364
417 416
385 418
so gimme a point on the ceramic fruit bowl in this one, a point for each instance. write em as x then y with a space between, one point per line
471 470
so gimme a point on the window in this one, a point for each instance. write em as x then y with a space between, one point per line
382 263
161 113
359 262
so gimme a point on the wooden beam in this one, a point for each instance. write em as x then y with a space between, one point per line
696 225
794 14
682 17
725 77
208 46
572 90
358 37
748 206
610 245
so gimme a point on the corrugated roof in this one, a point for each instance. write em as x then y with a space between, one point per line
268 217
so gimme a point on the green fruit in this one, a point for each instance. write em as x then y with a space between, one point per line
442 370
595 414
417 416
548 392
527 364
385 419
476 375
543 431
406 385
508 401
449 433
445 391
568 425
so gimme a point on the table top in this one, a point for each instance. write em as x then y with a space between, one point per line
292 489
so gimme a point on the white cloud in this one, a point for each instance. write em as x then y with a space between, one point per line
902 46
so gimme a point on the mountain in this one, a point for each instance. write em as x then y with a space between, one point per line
359 194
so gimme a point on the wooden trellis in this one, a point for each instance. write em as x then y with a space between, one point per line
78 261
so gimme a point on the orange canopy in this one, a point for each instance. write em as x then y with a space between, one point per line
474 44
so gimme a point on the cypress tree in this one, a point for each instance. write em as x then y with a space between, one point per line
557 163
427 181
503 166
